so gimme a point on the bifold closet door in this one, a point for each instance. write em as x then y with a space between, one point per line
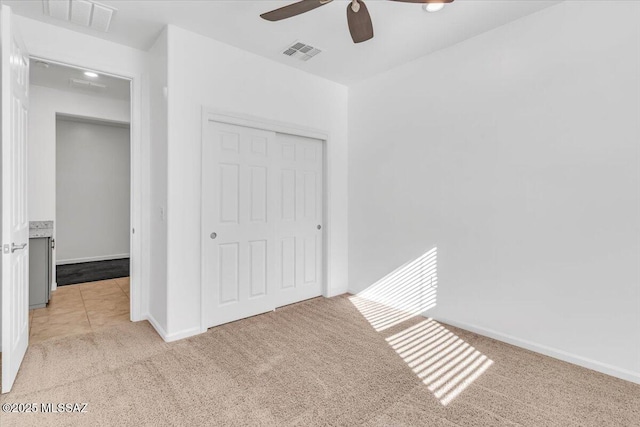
262 221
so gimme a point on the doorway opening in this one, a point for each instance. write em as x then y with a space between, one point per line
79 194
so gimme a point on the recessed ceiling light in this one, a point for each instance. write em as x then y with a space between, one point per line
432 7
90 74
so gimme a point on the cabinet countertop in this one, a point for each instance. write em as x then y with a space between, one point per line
40 229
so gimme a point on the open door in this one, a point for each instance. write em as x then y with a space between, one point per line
15 227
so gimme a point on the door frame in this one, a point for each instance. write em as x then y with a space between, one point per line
239 119
137 273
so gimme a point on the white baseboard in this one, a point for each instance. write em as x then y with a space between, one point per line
547 351
156 326
183 334
334 293
174 336
91 258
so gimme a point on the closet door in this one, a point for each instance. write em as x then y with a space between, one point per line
299 219
262 221
238 216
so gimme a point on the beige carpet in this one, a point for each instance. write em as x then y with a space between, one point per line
315 363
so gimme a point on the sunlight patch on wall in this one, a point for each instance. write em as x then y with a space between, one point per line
445 363
404 293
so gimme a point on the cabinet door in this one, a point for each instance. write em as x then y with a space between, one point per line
49 268
38 275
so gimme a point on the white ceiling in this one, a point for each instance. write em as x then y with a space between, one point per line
403 32
57 77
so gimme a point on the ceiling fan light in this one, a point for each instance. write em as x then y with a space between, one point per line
432 7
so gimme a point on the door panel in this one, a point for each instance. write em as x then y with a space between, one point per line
257 268
229 267
262 197
287 262
288 195
309 259
300 260
310 195
15 227
229 193
237 192
258 194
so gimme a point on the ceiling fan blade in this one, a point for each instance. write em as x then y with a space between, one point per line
360 24
424 1
293 9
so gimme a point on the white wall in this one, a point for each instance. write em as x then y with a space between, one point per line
44 104
516 154
158 193
204 72
92 191
62 45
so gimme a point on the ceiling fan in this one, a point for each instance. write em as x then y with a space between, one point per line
358 17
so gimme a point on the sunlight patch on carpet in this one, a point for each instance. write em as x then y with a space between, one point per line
445 363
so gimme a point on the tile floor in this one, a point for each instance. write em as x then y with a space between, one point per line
81 308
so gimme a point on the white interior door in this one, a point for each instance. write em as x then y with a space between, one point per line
262 218
15 227
237 208
298 256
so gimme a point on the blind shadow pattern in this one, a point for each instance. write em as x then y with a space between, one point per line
404 293
445 363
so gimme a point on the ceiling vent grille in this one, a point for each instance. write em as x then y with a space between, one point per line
301 51
82 12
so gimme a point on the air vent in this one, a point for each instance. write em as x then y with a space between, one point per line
301 51
87 85
87 13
